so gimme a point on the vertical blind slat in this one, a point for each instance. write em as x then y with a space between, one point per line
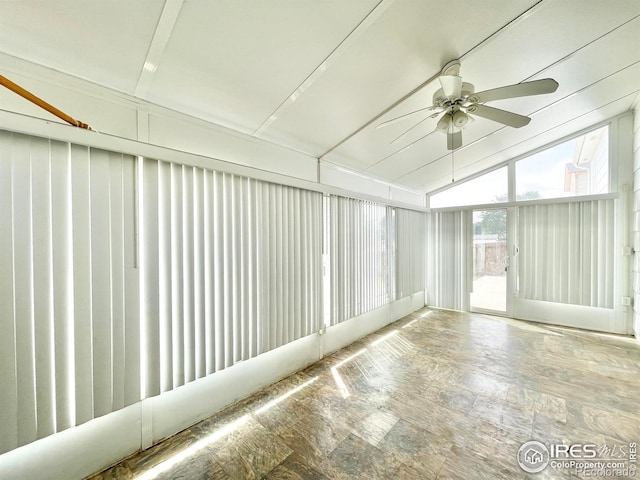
43 287
199 273
117 207
8 353
83 334
150 295
23 290
62 279
188 319
165 277
209 273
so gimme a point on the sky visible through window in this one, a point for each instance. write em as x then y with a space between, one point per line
544 172
489 188
578 166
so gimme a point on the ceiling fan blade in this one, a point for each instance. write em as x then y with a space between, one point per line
536 87
451 86
454 140
402 117
401 137
497 115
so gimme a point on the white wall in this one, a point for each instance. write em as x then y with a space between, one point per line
636 218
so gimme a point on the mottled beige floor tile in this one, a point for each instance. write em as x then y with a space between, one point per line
462 464
119 472
374 427
354 458
449 397
279 417
502 414
612 423
199 467
295 468
438 394
161 452
547 430
252 456
413 445
483 384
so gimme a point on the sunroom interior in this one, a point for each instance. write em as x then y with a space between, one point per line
234 214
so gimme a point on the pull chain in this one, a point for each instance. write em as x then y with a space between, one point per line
452 150
452 169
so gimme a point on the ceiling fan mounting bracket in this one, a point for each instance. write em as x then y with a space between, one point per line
451 68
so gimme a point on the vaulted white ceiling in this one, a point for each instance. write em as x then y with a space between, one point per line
318 76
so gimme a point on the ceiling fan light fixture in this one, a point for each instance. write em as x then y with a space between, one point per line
444 124
467 89
460 119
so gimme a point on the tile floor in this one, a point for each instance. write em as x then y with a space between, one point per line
437 394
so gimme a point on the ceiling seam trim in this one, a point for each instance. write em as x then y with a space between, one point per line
164 28
572 54
345 44
508 25
373 178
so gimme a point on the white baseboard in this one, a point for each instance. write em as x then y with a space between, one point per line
576 316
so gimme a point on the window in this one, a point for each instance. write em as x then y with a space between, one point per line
488 188
579 166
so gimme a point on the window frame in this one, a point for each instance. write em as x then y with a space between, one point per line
511 174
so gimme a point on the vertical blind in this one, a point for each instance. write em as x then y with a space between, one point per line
450 260
361 262
232 267
68 302
566 252
123 277
410 252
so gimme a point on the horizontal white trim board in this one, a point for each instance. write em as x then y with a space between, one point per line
80 451
576 316
15 122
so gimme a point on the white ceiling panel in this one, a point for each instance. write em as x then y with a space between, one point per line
102 41
575 74
319 76
407 45
567 55
553 30
235 62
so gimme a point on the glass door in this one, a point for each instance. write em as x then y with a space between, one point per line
490 261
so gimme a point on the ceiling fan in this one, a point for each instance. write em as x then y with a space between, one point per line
456 100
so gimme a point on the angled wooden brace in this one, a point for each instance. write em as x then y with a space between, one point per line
41 103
